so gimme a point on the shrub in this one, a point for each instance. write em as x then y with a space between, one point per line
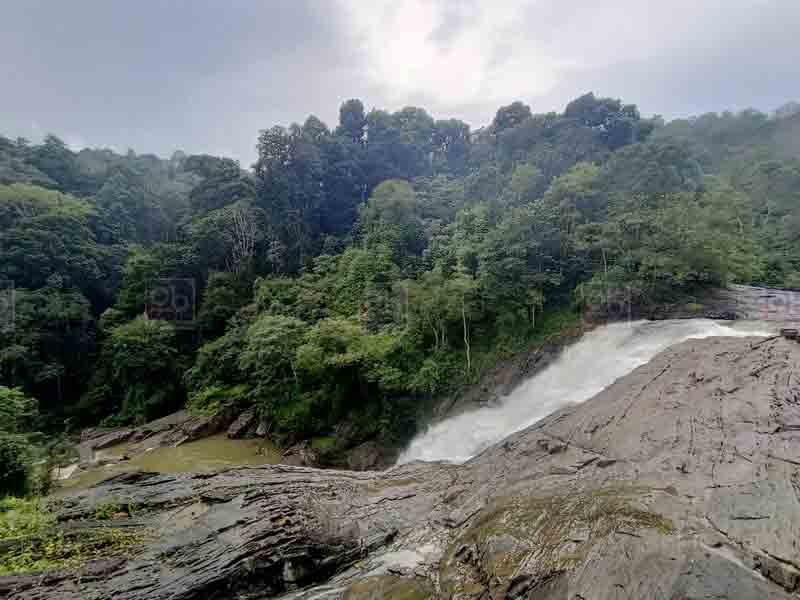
15 465
17 411
32 540
208 401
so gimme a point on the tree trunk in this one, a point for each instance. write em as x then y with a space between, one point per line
605 277
466 334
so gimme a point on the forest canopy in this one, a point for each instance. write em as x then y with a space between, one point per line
355 273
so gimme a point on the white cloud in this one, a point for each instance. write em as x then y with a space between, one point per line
211 87
405 56
465 58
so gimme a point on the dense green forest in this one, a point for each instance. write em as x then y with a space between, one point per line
353 275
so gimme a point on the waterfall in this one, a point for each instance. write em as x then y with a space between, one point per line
600 357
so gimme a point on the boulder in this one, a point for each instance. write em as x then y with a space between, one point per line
300 455
197 427
243 424
112 439
367 456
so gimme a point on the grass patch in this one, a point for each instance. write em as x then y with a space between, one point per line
31 540
211 400
21 517
547 529
323 443
111 510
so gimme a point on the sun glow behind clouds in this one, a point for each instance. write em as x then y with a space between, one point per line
457 54
465 57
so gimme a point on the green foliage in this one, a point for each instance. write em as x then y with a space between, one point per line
218 361
526 185
225 295
437 374
16 456
577 197
18 418
17 411
357 272
301 297
208 401
343 349
268 360
391 219
20 517
139 372
112 509
33 541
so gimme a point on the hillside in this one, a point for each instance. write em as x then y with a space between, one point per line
355 275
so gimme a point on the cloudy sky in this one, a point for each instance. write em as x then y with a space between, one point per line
205 76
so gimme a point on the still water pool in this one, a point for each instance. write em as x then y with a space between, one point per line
200 456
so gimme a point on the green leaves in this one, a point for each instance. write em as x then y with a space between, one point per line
391 219
16 456
17 412
139 372
677 245
354 273
268 357
18 415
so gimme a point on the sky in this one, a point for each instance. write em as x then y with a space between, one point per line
205 76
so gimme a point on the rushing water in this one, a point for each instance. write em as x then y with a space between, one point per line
602 356
207 454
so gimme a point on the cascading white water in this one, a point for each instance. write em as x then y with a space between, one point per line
584 369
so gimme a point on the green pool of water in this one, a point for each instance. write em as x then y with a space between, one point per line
200 456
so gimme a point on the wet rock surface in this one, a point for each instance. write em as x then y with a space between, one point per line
731 303
681 480
300 455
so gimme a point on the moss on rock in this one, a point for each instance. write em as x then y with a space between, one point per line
389 587
541 536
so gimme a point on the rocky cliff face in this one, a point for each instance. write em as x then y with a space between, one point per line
681 480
